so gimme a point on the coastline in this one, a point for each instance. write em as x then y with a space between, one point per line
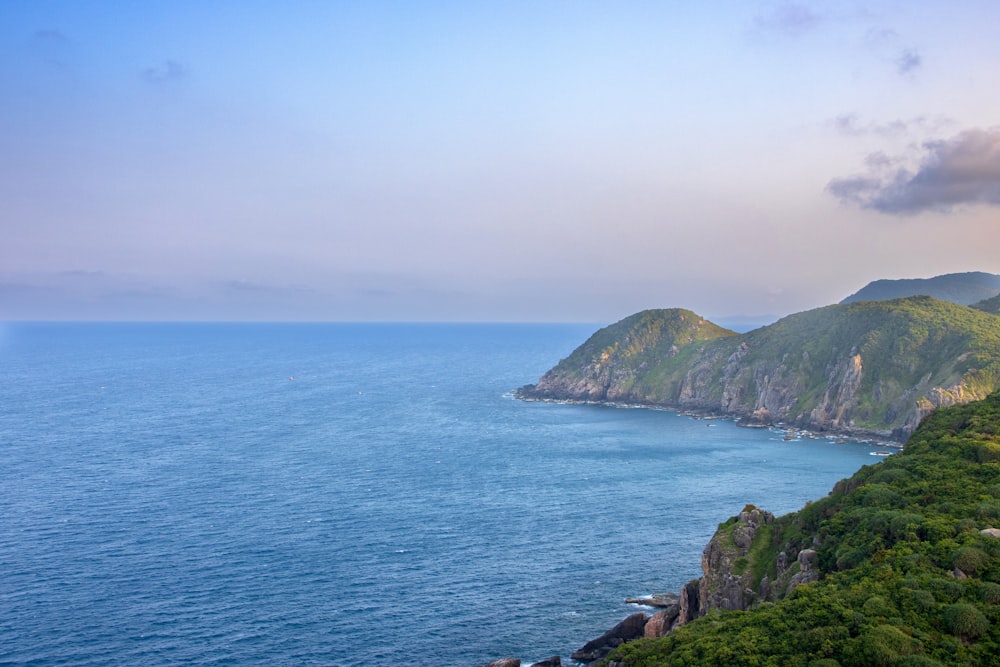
875 438
658 613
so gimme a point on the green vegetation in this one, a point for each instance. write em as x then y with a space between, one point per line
615 357
906 575
989 305
871 366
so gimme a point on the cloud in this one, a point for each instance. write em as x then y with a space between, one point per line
50 36
52 47
851 125
789 19
963 170
165 72
908 61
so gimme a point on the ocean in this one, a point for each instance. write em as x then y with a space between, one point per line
346 494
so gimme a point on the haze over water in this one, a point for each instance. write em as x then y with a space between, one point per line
346 494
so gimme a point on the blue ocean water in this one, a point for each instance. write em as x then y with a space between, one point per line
346 494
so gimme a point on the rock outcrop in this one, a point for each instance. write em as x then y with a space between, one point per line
727 582
631 628
734 578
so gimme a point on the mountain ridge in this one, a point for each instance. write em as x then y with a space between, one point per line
962 288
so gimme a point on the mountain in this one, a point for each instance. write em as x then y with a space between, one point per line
898 565
989 305
872 367
961 288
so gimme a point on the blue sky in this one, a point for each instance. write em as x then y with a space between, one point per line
499 161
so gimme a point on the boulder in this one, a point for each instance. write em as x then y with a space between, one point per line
631 628
554 661
661 622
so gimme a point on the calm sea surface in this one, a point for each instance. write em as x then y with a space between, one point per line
346 495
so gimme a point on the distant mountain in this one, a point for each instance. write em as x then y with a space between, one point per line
961 288
989 305
874 367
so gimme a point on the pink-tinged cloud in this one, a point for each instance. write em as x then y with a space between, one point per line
961 171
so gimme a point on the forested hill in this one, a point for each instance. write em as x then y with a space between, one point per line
989 305
874 367
961 288
904 559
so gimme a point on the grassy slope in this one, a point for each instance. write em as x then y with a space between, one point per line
889 541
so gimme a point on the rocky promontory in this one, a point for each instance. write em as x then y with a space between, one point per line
873 368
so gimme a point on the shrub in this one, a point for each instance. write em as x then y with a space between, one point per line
885 645
877 605
990 593
965 621
917 661
971 560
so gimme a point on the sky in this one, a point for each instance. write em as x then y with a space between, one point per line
489 161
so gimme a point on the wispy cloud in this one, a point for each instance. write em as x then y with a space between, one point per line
52 47
851 124
788 19
165 72
908 61
962 170
890 48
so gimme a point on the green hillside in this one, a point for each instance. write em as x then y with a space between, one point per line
989 305
909 566
871 367
614 358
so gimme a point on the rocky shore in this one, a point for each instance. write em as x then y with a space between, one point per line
727 583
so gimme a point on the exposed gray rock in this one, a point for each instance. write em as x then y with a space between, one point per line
554 661
596 649
991 532
661 600
807 573
722 587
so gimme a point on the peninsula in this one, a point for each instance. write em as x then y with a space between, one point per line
863 368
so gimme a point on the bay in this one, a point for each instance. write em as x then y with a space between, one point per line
346 494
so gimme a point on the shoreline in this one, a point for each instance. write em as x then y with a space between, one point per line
798 433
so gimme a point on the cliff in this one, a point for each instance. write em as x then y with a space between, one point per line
863 368
899 565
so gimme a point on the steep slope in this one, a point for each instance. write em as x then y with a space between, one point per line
961 288
610 363
867 367
899 565
989 305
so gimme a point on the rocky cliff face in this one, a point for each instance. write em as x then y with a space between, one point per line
741 568
728 582
866 368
